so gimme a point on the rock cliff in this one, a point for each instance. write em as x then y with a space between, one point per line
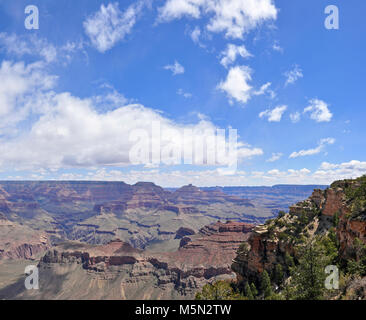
341 208
118 271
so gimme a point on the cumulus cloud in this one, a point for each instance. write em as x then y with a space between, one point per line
325 174
274 115
295 117
110 25
353 168
275 157
337 171
293 75
65 131
237 85
319 111
321 145
175 68
20 91
232 17
231 52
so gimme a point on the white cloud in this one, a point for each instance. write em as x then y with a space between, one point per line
236 84
345 167
20 90
325 174
293 75
274 115
110 25
195 35
233 17
67 132
318 149
276 47
237 87
295 117
175 68
186 95
264 89
275 157
31 45
171 178
231 52
319 111
345 170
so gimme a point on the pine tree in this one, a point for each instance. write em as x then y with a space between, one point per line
278 274
266 288
253 289
248 291
308 276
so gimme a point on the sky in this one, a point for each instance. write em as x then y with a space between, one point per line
127 90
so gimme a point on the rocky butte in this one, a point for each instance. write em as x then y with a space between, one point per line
116 270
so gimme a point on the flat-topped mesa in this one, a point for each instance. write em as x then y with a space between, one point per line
192 195
147 195
114 253
66 191
229 226
214 246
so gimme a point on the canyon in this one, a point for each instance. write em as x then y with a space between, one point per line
116 270
112 240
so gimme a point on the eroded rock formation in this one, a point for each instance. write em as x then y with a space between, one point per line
130 273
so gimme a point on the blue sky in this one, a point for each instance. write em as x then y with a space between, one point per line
96 71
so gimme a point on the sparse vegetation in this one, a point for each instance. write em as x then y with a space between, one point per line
220 290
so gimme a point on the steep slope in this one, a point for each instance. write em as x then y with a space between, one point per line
20 242
338 210
116 270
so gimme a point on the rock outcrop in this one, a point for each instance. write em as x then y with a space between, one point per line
269 244
182 232
20 242
118 271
